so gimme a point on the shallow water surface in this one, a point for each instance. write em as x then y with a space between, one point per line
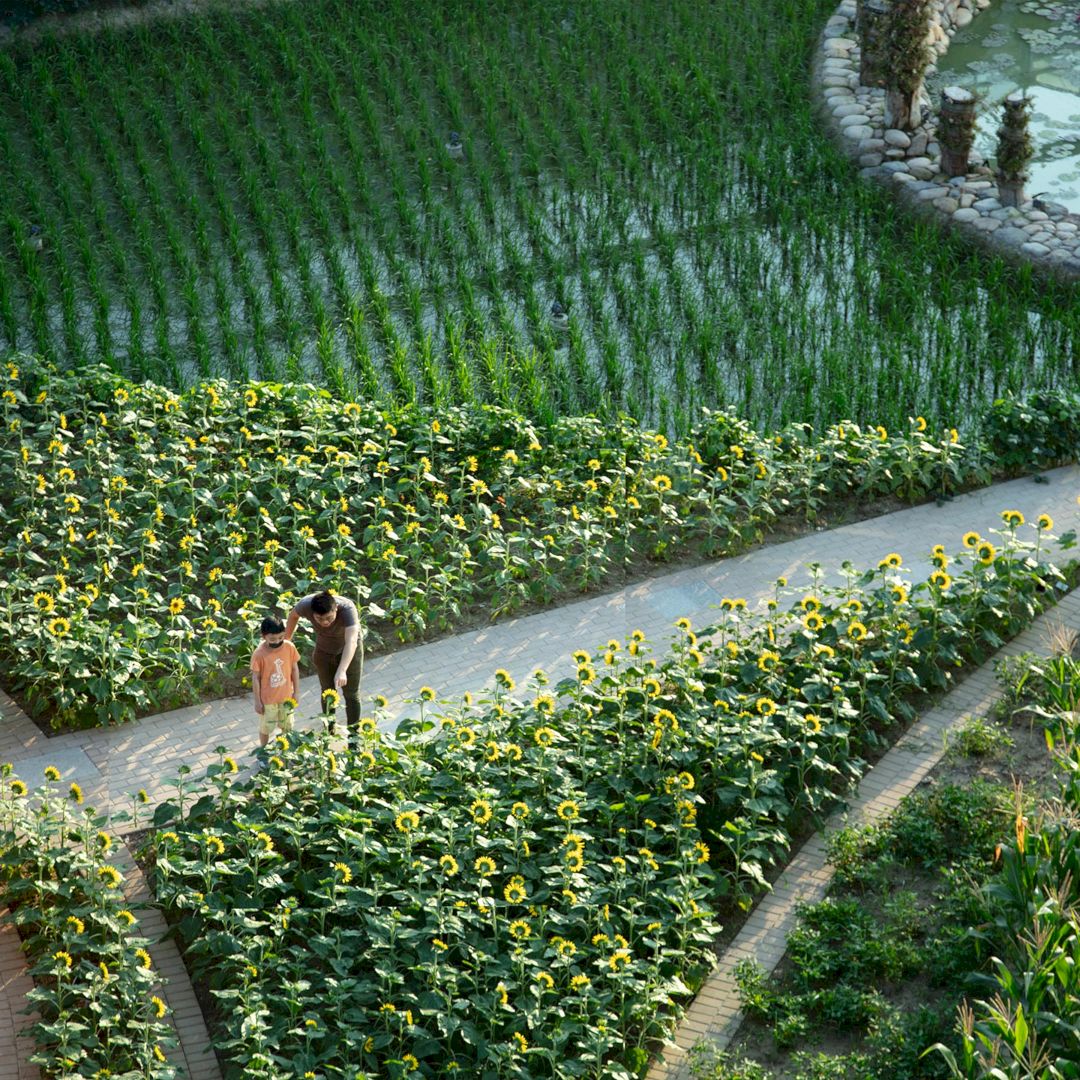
1034 46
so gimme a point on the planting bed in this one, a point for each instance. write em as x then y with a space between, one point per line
136 568
923 900
579 840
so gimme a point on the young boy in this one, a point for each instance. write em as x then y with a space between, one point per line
275 678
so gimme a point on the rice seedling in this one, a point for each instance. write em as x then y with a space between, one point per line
735 256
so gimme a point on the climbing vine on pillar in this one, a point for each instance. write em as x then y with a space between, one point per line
907 56
1014 148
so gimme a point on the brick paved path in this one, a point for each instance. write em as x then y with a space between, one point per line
111 764
714 1015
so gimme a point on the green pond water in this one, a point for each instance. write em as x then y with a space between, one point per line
1034 46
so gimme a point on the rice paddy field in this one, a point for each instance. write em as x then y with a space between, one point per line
272 194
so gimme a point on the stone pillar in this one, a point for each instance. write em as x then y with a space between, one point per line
1014 149
907 56
956 129
872 23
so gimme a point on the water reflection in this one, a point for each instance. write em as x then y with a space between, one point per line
1035 47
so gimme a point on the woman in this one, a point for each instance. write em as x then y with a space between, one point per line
338 655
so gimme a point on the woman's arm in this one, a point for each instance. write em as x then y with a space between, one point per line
352 634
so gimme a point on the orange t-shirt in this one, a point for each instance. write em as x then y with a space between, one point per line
275 671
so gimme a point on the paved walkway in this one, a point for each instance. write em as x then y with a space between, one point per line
111 764
714 1015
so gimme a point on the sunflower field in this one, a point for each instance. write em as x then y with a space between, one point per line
147 532
528 884
96 993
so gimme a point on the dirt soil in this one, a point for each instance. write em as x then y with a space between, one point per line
1027 762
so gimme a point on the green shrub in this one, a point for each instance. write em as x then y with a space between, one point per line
979 736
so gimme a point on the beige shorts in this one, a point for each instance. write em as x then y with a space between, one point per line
275 716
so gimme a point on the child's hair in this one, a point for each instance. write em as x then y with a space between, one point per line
272 625
323 603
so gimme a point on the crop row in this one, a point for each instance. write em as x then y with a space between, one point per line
135 566
527 885
98 1012
272 195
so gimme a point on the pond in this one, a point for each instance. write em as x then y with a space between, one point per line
1034 46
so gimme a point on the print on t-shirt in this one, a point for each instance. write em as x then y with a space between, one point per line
278 676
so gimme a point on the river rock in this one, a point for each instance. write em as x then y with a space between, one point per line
854 120
868 146
917 146
965 214
898 138
962 18
895 167
848 108
935 191
986 205
1037 250
859 131
946 204
1009 234
870 161
985 224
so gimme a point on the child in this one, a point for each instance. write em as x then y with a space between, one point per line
275 678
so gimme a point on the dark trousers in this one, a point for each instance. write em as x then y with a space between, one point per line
326 665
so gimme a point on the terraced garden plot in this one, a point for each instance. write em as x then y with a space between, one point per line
272 194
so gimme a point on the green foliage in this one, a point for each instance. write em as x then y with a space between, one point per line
1035 432
703 759
136 566
519 891
1022 1024
873 933
708 1063
1046 687
907 51
932 829
1015 148
979 736
267 191
92 974
839 953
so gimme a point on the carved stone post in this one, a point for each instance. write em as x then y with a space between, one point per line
956 129
872 22
1014 149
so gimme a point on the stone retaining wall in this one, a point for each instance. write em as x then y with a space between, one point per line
910 163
